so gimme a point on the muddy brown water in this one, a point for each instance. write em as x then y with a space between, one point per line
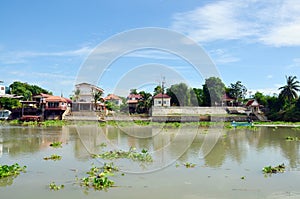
222 157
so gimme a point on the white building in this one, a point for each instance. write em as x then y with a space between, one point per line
86 91
162 100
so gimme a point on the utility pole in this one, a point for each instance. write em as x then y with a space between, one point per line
163 90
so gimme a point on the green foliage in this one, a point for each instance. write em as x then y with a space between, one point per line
132 154
213 90
278 169
26 90
56 144
179 94
289 138
53 157
54 187
98 177
9 103
189 165
145 104
111 106
237 91
11 170
289 91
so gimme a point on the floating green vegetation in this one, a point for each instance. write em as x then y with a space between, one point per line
132 154
289 138
56 144
189 165
54 187
11 170
53 157
98 177
278 169
243 177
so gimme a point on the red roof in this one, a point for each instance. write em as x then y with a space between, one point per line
136 96
55 99
112 97
250 103
226 97
160 95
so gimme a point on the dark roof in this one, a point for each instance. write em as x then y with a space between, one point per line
137 96
160 95
250 103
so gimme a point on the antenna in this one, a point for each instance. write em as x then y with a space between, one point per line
163 90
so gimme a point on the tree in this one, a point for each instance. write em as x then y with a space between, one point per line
145 104
133 91
261 99
96 97
9 103
289 91
237 91
196 97
179 94
157 90
76 95
23 89
213 91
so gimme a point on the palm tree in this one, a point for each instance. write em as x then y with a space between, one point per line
96 96
76 94
289 91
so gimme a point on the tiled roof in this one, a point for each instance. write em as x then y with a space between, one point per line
112 97
160 95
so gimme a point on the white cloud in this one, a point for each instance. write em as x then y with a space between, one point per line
222 56
16 57
275 23
269 76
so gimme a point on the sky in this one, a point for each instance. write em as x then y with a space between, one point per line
47 43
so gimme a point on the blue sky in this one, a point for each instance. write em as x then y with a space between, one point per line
47 42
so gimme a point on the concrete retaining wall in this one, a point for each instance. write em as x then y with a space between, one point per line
179 110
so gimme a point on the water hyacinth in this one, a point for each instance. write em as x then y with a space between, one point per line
132 154
98 177
11 170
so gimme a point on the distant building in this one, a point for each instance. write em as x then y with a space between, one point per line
86 91
253 106
132 101
162 100
114 99
84 99
2 90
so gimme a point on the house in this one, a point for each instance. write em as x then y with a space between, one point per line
2 90
132 101
253 106
114 99
227 100
162 100
86 91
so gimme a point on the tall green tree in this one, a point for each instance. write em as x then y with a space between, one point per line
179 94
23 89
158 89
237 91
289 91
96 97
145 104
213 91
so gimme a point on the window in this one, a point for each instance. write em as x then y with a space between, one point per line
159 102
53 104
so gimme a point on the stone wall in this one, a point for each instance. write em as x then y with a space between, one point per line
179 110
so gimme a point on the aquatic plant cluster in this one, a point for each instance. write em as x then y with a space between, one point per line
278 169
98 177
56 144
132 154
53 157
11 170
54 187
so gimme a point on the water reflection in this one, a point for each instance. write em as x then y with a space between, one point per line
234 145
